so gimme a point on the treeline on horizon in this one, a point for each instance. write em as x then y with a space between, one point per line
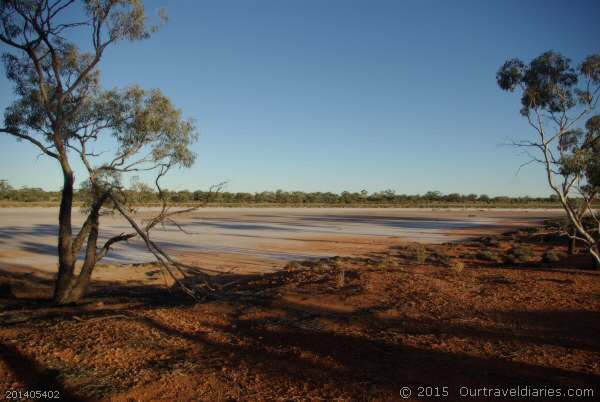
142 194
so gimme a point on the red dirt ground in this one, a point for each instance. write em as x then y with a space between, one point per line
342 328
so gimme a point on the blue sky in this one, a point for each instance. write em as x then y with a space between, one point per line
335 95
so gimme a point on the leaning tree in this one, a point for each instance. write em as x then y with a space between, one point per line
560 102
61 108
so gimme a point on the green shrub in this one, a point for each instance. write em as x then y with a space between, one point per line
487 255
519 254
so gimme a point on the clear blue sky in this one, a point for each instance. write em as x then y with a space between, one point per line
336 95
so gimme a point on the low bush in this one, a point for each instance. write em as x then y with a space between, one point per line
553 256
487 255
490 241
442 258
292 266
388 261
519 254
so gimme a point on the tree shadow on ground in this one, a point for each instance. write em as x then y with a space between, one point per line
320 357
297 348
33 376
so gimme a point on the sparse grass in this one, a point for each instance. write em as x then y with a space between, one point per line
340 279
458 266
370 284
421 253
322 265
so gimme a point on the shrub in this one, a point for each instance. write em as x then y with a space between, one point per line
490 241
487 255
442 258
553 256
292 266
519 254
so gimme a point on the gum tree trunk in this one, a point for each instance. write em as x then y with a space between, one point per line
66 259
82 283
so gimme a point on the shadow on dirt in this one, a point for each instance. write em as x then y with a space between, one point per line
33 376
297 347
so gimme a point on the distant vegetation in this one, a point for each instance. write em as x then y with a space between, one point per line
141 194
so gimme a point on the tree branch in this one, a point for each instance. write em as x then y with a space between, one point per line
37 143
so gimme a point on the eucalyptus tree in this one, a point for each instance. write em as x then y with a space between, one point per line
62 110
560 102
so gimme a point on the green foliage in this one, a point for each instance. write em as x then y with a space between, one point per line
26 194
547 82
140 193
5 187
519 254
60 104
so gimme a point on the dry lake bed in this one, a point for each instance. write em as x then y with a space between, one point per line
255 240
